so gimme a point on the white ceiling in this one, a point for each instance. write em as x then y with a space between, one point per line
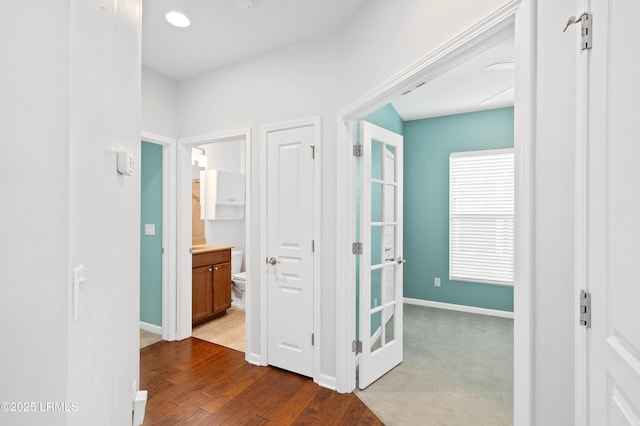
463 88
221 33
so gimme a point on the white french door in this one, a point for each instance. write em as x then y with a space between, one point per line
290 229
612 203
381 262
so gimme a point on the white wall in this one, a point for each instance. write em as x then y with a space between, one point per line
383 38
396 41
34 118
554 293
104 215
159 104
319 77
71 99
292 83
228 156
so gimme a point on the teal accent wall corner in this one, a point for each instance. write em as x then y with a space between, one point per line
386 117
151 245
427 145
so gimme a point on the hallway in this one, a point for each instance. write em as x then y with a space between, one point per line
197 382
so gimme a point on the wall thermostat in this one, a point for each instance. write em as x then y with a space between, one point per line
125 163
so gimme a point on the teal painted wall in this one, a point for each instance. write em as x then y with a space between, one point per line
427 144
386 117
151 245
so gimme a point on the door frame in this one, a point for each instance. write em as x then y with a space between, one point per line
518 13
581 209
262 357
169 325
183 255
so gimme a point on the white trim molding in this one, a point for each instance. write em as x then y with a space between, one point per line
325 381
493 29
151 328
169 235
496 27
156 138
253 358
459 308
183 251
525 147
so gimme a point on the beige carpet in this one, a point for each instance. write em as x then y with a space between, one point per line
227 330
457 370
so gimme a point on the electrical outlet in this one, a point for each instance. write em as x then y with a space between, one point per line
436 282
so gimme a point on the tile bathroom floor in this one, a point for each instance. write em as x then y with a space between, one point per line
227 330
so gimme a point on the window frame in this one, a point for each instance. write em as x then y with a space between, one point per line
478 222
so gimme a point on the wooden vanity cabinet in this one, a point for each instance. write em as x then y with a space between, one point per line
211 285
221 287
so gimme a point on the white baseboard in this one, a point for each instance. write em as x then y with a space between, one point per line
152 328
254 359
328 382
460 308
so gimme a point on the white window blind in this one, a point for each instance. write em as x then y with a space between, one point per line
481 216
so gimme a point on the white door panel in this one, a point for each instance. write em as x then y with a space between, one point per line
613 212
290 193
381 260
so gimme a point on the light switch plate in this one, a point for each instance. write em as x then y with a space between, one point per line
149 229
125 163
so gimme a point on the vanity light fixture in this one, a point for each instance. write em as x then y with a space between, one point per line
196 156
178 19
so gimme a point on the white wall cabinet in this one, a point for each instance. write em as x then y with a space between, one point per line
222 195
230 188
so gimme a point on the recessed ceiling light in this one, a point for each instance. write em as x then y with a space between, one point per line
178 19
501 66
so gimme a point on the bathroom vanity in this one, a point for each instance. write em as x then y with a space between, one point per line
211 282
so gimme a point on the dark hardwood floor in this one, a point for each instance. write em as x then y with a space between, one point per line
193 382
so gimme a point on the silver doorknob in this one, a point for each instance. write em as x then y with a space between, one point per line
401 260
273 261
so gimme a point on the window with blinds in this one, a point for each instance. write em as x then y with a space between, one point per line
481 216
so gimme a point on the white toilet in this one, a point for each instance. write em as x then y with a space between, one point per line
238 278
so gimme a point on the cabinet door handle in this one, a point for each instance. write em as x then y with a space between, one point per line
210 269
216 268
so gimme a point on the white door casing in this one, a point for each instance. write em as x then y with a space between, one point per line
169 235
381 262
609 207
290 235
179 304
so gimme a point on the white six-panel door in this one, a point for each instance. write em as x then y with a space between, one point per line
612 187
381 262
289 261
